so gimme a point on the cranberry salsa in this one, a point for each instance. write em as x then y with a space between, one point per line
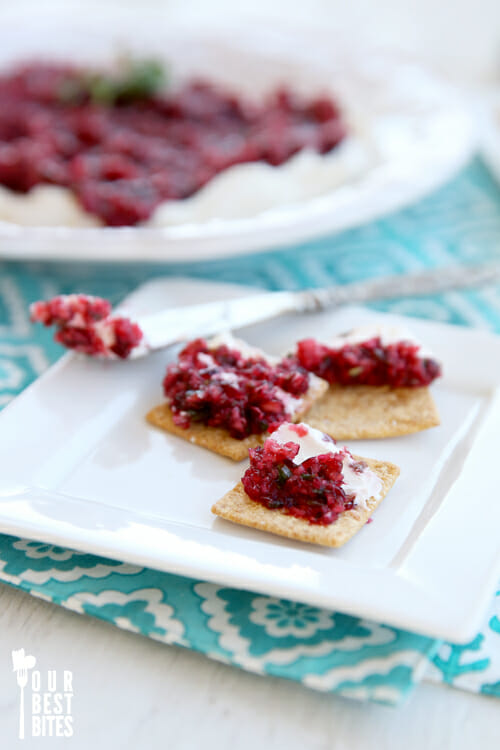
123 145
244 392
370 357
300 471
85 324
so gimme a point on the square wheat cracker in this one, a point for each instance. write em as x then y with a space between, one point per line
236 506
355 412
219 440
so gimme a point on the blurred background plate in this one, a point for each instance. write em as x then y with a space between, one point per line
410 131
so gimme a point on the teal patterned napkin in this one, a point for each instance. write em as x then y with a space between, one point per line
476 665
323 650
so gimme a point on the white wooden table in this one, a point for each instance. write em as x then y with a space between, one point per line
130 692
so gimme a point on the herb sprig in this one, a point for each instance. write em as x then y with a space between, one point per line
134 80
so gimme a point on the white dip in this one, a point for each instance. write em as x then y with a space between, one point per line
242 191
362 484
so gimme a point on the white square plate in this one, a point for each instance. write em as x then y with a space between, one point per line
80 467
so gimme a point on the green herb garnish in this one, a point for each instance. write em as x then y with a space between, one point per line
135 80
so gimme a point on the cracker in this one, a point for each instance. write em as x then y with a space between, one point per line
219 440
214 438
353 412
236 506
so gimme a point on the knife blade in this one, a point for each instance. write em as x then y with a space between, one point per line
178 324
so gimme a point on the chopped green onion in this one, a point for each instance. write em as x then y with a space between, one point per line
284 473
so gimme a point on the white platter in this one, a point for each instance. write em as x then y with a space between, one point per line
80 467
412 128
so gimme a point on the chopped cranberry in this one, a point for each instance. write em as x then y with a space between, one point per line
84 324
121 202
89 124
71 309
323 109
358 466
127 336
84 340
105 167
300 429
330 135
22 163
369 363
122 160
40 82
311 490
222 388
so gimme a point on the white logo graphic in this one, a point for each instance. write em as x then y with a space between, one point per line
22 663
51 698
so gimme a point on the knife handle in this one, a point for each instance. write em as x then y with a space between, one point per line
433 281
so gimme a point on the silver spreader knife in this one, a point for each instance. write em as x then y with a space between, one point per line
177 324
